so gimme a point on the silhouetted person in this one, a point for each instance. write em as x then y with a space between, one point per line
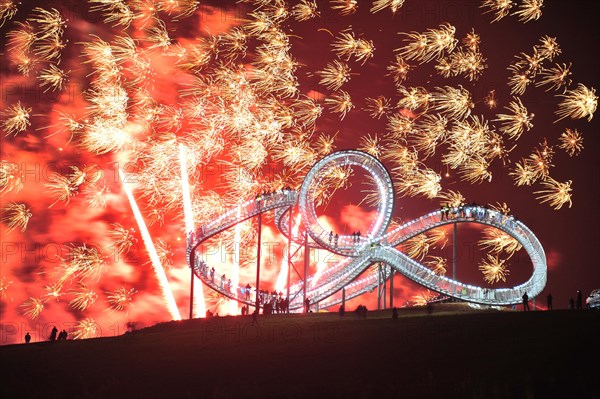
579 300
255 316
336 238
525 302
65 334
342 311
571 303
27 338
306 305
53 334
429 308
395 314
549 302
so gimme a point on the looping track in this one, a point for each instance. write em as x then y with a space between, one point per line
377 245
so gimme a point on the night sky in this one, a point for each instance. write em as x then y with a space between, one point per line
30 257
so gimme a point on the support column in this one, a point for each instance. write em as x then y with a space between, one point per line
258 250
289 254
306 264
192 288
392 287
384 284
378 286
344 297
454 253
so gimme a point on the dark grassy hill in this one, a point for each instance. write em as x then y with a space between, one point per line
453 352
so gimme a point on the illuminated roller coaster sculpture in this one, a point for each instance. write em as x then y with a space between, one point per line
376 246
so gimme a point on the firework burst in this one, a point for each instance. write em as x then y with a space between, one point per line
571 141
83 297
121 299
494 269
86 328
15 215
32 308
15 118
578 103
555 193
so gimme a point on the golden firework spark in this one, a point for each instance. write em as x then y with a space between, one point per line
501 207
578 103
60 188
437 264
517 122
344 7
451 198
54 290
15 215
429 132
529 10
8 9
423 298
53 78
429 45
15 118
123 240
500 8
82 262
340 102
555 193
115 12
571 141
452 102
377 107
305 10
32 307
347 46
475 170
398 70
493 269
86 328
417 247
84 297
556 77
496 241
4 285
50 23
393 5
165 253
11 177
523 173
334 75
121 299
371 145
548 48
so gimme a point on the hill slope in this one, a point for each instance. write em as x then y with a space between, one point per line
453 352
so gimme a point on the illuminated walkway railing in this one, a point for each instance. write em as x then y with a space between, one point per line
378 244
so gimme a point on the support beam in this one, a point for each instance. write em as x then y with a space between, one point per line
384 284
454 253
192 288
306 264
258 262
289 254
379 286
392 287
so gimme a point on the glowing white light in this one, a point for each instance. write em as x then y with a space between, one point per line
159 271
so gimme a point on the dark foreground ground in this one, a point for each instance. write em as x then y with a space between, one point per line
453 352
